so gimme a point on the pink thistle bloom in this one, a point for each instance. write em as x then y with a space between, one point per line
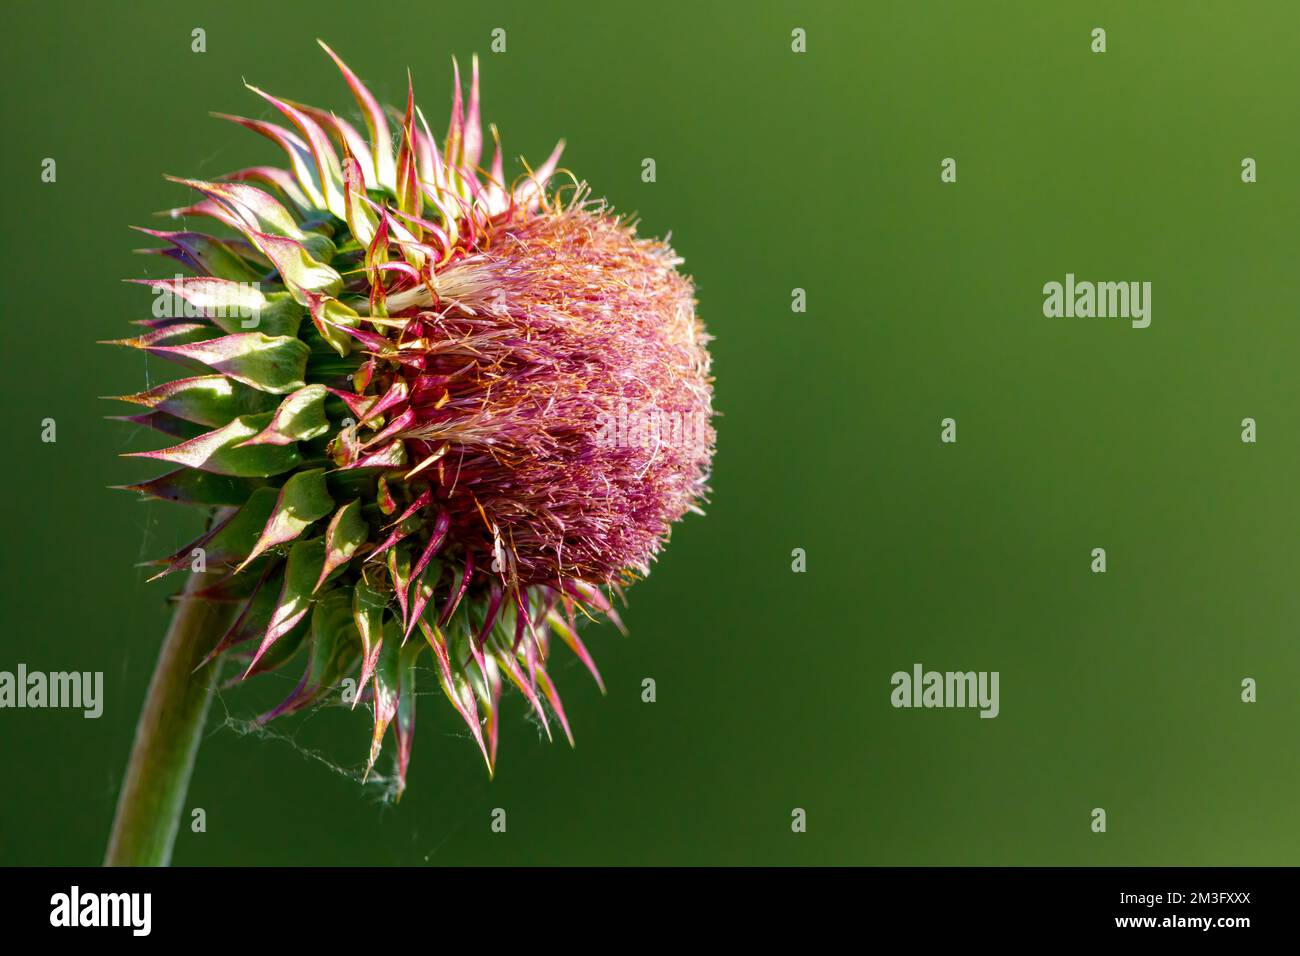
439 412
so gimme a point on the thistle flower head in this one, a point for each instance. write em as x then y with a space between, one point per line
437 411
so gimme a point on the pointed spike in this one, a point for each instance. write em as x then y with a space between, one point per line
327 161
569 635
436 538
455 148
507 662
423 593
381 140
473 125
293 702
496 596
468 712
404 724
294 600
387 690
344 536
493 719
454 596
529 193
553 696
421 501
300 157
433 172
230 637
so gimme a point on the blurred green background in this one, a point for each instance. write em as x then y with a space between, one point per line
775 171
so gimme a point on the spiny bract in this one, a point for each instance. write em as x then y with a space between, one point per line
412 408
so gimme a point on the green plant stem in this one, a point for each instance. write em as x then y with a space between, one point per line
167 736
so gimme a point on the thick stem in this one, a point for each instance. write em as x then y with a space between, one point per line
167 736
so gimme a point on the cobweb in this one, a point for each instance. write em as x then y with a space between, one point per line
470 782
